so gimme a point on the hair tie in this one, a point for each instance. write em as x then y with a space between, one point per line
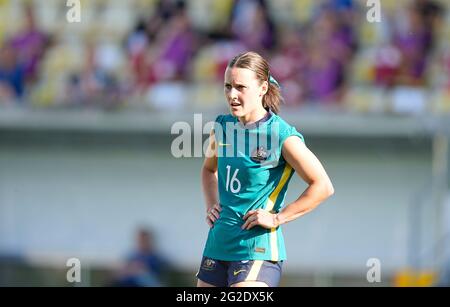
273 81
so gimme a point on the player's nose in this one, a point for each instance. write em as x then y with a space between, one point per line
233 94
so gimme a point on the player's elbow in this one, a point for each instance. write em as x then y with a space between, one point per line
326 188
330 189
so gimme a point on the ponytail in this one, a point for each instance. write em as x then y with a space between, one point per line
273 98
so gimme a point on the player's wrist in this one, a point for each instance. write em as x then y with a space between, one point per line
277 220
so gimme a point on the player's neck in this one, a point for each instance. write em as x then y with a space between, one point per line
254 116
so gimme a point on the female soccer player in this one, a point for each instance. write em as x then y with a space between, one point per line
251 157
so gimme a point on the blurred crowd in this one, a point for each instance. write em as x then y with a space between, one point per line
171 54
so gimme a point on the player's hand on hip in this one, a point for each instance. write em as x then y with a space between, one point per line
261 218
213 214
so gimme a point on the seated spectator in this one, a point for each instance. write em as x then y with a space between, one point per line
432 14
324 76
12 75
96 84
413 41
164 11
30 45
252 24
175 47
165 54
288 64
386 65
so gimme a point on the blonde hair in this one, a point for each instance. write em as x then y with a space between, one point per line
256 63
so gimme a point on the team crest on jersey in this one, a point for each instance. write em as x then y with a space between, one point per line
259 155
208 264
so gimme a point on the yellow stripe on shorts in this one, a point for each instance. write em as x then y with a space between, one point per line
254 271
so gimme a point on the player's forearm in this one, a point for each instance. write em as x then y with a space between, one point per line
209 184
315 194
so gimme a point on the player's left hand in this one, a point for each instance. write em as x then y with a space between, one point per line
259 217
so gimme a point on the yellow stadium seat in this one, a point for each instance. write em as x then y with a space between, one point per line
415 278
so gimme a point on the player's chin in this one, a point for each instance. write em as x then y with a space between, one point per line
236 111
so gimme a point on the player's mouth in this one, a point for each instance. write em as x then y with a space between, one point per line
235 104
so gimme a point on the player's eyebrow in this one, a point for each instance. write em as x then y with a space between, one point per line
236 84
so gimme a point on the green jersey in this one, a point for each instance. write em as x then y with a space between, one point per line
252 174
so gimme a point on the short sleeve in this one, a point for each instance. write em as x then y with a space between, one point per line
290 131
217 128
219 119
217 123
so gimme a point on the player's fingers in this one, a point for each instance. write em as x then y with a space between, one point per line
214 212
212 217
208 221
244 226
218 207
252 224
249 220
249 214
261 212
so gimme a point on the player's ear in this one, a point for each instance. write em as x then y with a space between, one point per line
264 88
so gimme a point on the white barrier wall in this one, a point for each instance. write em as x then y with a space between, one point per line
85 201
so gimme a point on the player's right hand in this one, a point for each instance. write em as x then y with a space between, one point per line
213 214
